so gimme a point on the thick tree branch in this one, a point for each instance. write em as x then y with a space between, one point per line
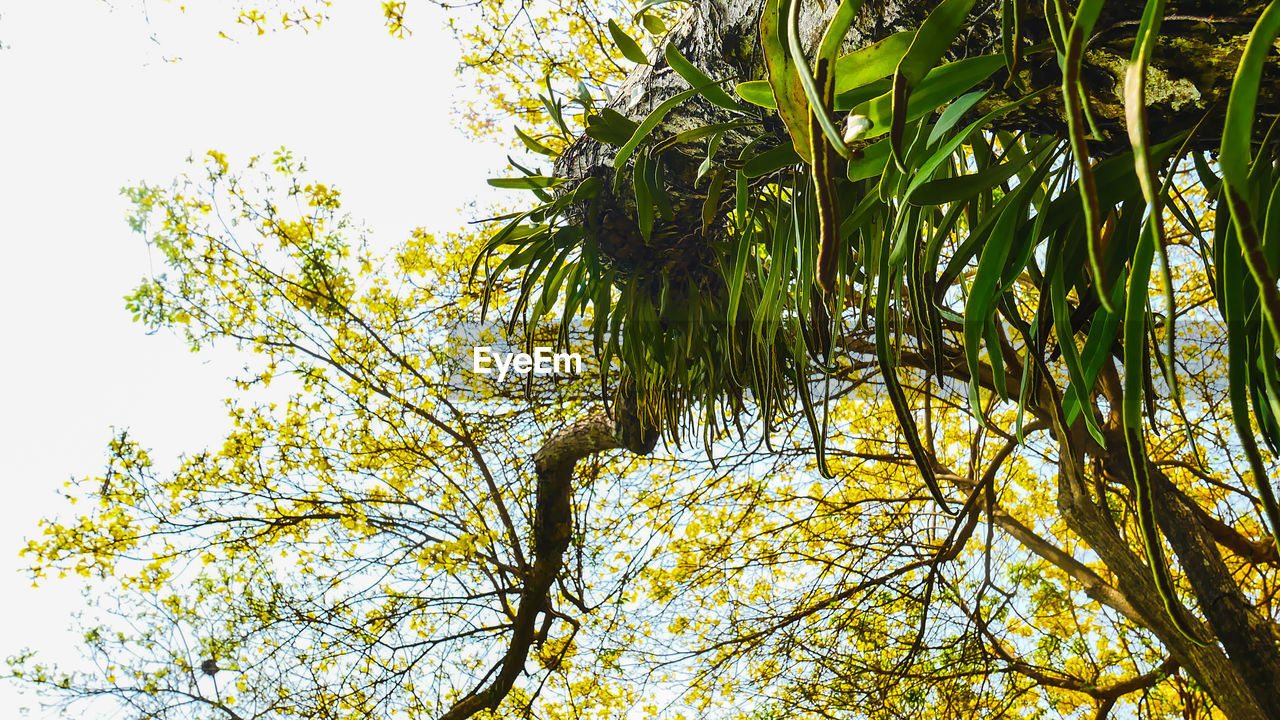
552 529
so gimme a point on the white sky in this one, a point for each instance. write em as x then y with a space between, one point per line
88 105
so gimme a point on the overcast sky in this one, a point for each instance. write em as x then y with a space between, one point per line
89 104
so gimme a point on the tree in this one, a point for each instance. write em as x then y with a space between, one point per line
927 200
941 302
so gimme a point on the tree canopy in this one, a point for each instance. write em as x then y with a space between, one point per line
939 342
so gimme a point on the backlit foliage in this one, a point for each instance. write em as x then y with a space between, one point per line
355 546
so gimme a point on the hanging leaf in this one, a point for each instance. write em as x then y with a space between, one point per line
1011 38
1073 98
819 99
1236 159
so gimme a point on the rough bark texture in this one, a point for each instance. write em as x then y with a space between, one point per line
1210 667
1190 79
1190 76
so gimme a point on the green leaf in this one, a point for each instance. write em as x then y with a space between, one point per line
653 24
945 151
650 4
1097 348
872 163
771 160
873 62
1135 104
531 182
1271 228
1067 343
941 85
814 95
784 81
611 127
630 48
711 205
649 124
964 187
534 145
587 189
1073 98
658 184
1011 37
757 92
643 194
820 99
888 371
741 255
696 78
1231 278
953 113
983 293
712 147
1236 159
1135 324
931 41
696 134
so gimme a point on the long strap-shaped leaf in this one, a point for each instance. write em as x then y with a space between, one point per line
1235 158
1135 107
651 121
889 372
1231 279
988 281
962 188
1011 37
693 75
784 80
931 42
982 297
1144 169
824 153
944 151
1081 27
1135 320
820 93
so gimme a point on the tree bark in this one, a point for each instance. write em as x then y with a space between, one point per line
1243 680
1189 80
1222 678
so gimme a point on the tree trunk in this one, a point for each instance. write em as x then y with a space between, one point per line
1189 79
